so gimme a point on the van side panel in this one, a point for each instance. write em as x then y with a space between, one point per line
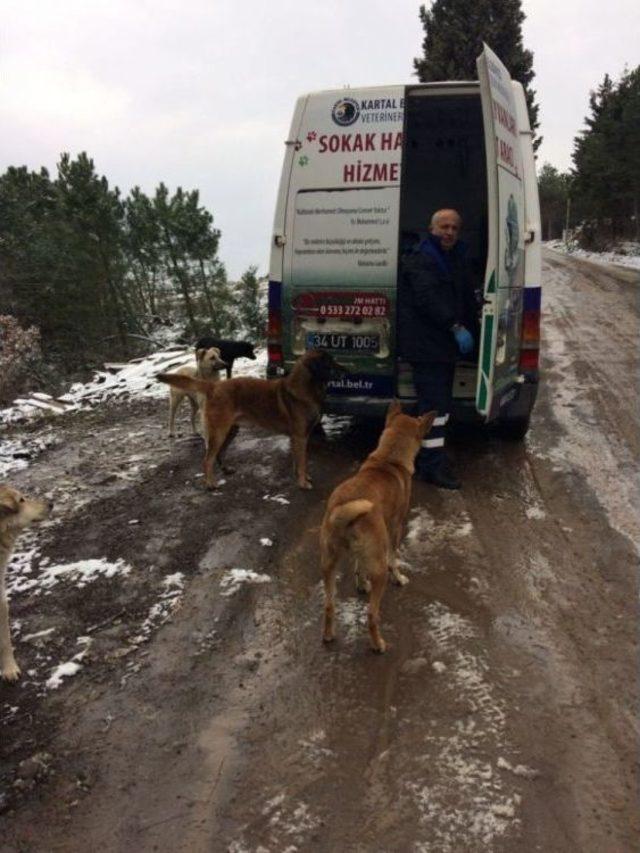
280 221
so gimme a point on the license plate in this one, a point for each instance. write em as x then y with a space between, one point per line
343 342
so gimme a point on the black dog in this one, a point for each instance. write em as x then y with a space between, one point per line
229 350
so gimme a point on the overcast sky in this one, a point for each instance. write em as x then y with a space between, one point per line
200 93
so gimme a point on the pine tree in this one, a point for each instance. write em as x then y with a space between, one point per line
454 33
252 314
144 257
554 188
606 160
189 247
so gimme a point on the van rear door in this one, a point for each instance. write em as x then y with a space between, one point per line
504 275
341 253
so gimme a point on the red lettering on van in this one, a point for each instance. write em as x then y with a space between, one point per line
364 173
506 154
390 141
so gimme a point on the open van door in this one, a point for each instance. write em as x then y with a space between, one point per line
504 276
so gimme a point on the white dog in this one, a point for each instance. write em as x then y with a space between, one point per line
208 366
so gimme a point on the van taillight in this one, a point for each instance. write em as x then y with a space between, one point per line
530 336
529 360
274 324
531 327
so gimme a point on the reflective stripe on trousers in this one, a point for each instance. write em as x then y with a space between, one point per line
434 388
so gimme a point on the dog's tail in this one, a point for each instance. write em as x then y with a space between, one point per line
187 383
342 516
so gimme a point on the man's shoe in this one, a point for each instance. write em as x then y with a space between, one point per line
443 478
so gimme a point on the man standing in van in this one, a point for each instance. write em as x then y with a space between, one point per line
437 323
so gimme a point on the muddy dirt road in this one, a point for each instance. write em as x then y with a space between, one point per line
208 716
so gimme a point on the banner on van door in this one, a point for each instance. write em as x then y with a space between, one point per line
351 140
346 238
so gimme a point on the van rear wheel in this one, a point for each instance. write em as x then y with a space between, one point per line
514 429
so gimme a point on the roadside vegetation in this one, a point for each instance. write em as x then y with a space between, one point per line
88 275
598 200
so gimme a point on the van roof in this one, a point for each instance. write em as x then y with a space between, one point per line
439 84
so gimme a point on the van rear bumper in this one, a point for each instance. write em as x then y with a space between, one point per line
463 410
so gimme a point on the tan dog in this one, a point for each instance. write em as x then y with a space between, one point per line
290 405
16 512
208 363
366 516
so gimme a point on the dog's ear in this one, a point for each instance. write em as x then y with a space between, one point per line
425 422
200 353
395 408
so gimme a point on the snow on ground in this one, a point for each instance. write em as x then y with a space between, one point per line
172 592
600 457
79 573
464 794
135 379
70 667
232 580
292 824
17 453
630 258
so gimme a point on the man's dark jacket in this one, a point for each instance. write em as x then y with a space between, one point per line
435 292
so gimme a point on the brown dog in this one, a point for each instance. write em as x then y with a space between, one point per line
366 516
208 365
16 512
290 405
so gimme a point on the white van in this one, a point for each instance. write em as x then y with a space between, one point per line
363 171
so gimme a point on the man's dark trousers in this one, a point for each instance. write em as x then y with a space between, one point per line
433 382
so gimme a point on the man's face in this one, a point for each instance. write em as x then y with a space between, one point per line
447 228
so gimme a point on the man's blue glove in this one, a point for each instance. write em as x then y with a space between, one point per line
464 339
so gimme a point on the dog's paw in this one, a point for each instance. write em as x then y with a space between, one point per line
381 648
399 579
306 484
10 671
328 638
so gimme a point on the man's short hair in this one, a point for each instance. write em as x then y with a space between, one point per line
438 214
